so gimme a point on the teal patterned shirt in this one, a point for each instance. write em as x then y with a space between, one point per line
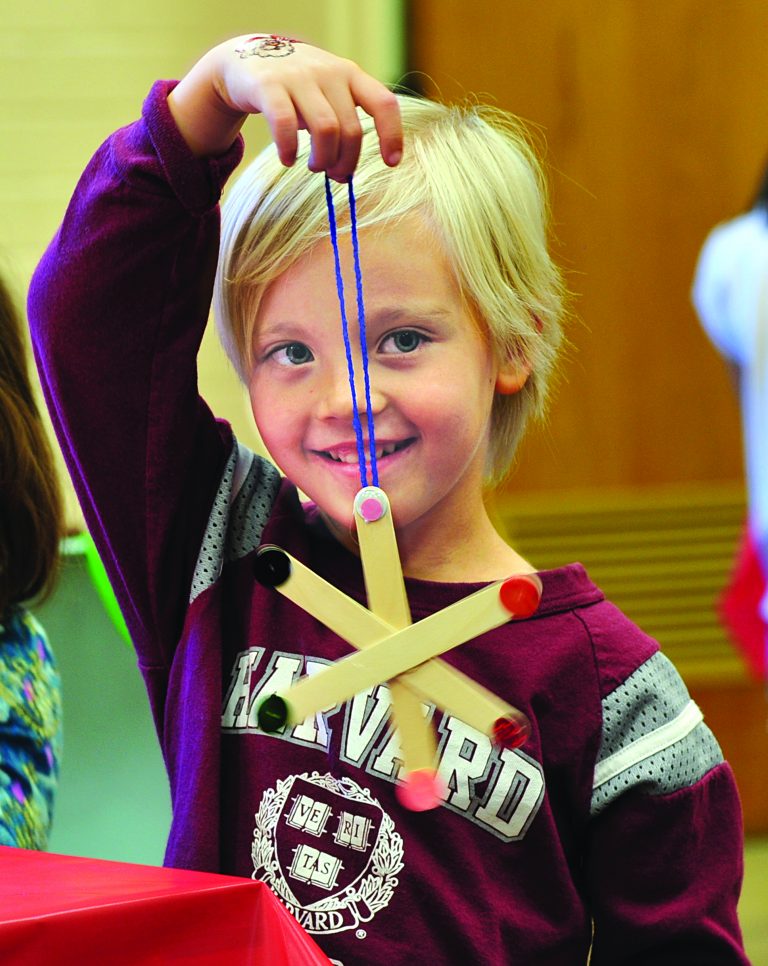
30 731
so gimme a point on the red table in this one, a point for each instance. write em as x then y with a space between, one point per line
59 909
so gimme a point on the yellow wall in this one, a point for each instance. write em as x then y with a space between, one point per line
72 72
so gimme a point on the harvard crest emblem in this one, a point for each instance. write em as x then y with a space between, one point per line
328 850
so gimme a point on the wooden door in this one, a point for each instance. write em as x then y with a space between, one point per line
654 115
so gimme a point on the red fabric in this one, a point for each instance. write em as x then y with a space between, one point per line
739 606
63 909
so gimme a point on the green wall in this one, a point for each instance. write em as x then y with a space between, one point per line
113 800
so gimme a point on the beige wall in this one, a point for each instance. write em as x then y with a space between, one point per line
72 72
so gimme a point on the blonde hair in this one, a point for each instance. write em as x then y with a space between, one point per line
471 172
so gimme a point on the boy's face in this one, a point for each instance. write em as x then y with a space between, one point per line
432 380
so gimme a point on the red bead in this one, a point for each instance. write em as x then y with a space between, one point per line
511 731
520 595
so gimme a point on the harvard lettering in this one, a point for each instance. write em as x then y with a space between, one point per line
496 789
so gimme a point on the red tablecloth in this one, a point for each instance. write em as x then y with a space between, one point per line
59 909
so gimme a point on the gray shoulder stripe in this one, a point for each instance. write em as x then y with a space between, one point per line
243 464
251 507
649 698
211 556
654 738
649 745
240 510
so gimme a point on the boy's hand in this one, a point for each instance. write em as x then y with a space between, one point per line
296 87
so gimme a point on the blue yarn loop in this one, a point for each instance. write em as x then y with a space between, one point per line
345 332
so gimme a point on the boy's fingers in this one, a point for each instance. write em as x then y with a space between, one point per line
280 114
324 127
382 105
325 102
350 132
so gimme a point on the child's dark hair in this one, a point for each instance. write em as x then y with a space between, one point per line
31 515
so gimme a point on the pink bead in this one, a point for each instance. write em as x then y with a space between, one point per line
421 790
371 509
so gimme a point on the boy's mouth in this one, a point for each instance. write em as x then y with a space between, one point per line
347 452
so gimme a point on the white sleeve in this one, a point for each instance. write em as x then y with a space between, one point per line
712 294
731 283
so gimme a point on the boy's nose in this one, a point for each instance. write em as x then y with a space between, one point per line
336 397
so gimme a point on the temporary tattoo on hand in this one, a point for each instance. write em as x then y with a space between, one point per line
269 45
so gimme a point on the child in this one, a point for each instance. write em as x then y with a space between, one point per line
619 810
30 527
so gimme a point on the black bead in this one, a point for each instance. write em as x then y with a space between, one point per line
272 566
273 713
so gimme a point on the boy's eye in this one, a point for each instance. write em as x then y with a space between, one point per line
404 340
292 354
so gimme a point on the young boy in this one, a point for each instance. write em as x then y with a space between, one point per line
619 810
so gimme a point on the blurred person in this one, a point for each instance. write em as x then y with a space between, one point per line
30 527
730 294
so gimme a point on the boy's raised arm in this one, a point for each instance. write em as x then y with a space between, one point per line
120 300
296 87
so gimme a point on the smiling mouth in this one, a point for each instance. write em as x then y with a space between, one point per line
351 456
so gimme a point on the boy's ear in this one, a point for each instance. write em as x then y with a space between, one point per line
512 376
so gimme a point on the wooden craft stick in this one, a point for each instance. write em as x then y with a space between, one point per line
387 599
404 650
459 695
382 572
341 614
435 681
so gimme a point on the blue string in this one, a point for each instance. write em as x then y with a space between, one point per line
363 338
345 332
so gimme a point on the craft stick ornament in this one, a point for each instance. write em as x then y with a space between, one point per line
406 649
436 682
389 648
